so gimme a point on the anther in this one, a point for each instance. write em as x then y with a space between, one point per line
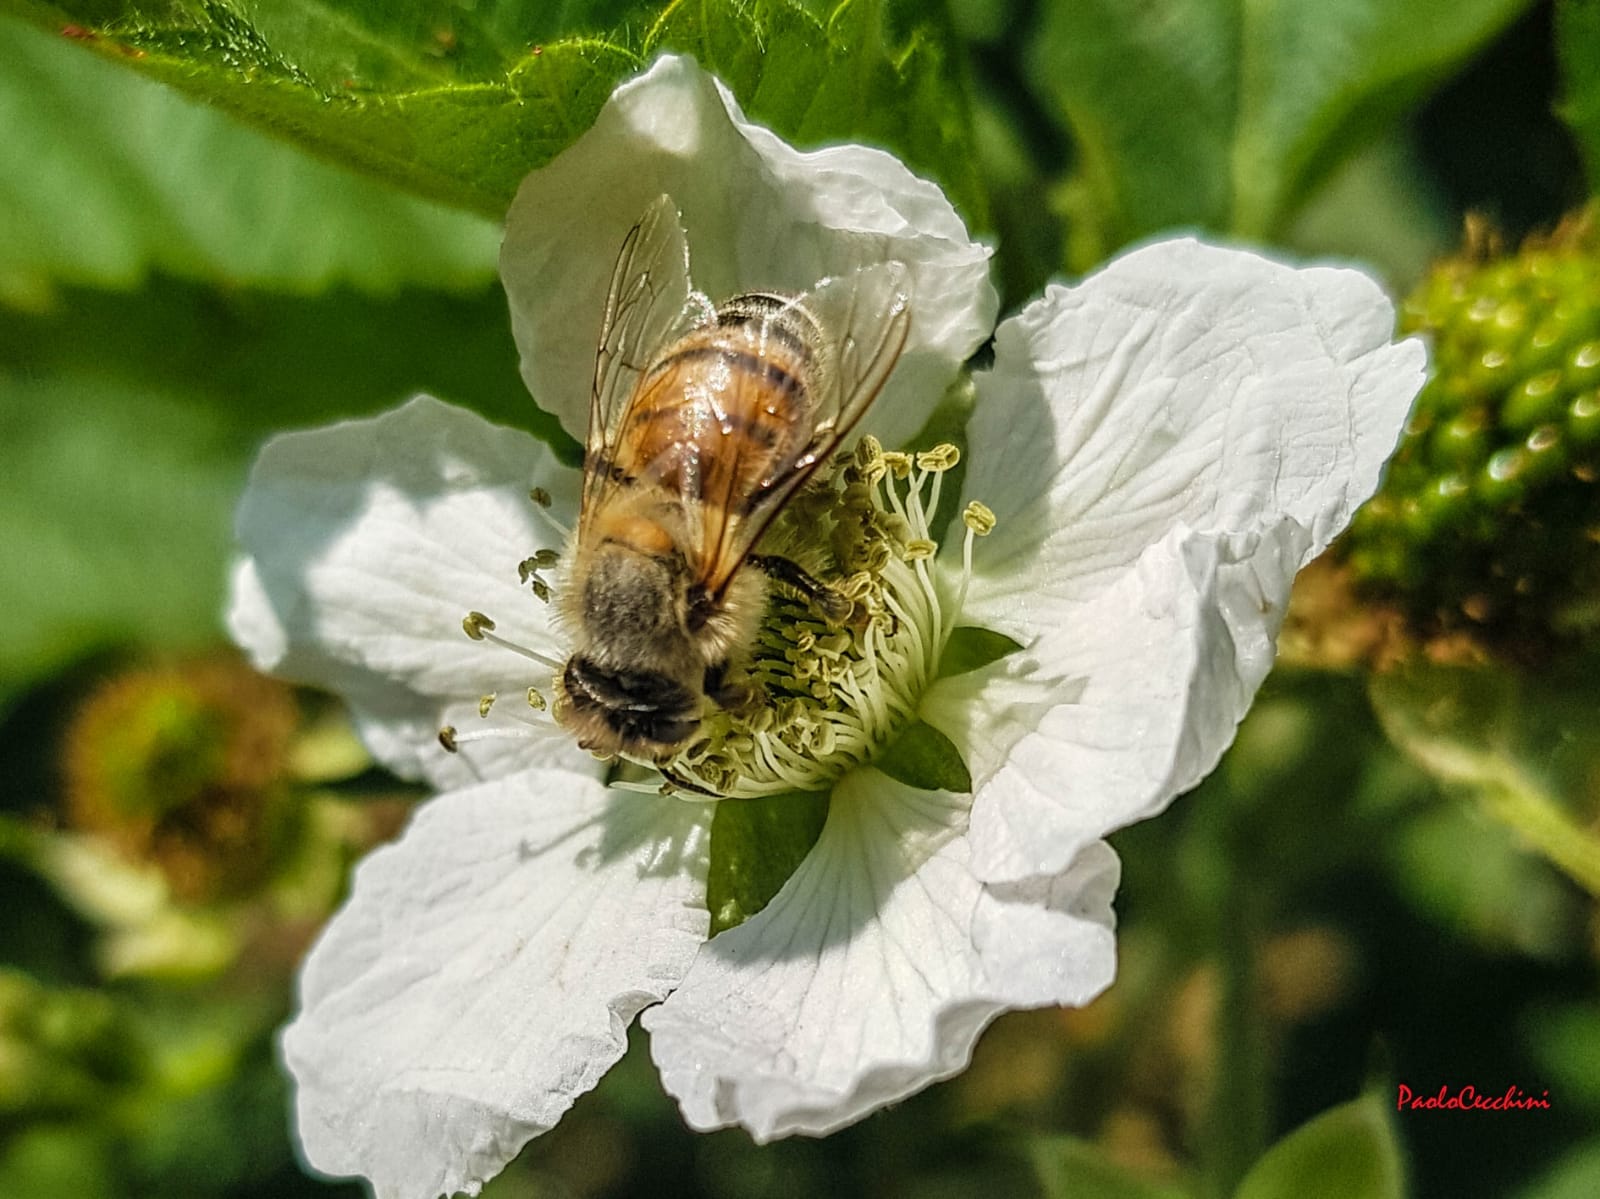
979 518
541 589
486 702
535 700
942 457
919 548
858 586
541 497
545 559
899 464
476 624
447 738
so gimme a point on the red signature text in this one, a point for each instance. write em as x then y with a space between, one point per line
1469 1099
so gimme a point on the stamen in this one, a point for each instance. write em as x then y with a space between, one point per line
486 703
480 628
453 740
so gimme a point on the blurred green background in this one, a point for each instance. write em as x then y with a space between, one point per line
219 219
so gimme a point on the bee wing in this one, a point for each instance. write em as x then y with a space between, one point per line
861 320
650 304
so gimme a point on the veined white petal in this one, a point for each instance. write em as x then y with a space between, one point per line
484 972
759 215
874 969
1106 719
367 543
1182 384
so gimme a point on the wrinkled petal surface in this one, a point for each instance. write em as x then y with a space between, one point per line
1104 721
365 545
1183 383
872 972
484 973
759 215
1164 446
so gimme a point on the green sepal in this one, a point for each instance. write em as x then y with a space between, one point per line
756 845
971 648
924 758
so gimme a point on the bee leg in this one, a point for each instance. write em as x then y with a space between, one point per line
834 606
728 695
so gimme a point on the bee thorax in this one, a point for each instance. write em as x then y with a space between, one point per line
630 600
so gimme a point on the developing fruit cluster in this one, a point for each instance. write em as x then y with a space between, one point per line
1489 517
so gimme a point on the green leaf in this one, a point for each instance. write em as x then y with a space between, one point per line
124 178
1565 1043
1350 1152
267 362
1224 114
1521 746
127 423
925 758
117 504
459 104
756 845
1573 1175
1070 1168
1578 52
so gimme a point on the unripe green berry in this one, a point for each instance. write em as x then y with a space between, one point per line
1485 516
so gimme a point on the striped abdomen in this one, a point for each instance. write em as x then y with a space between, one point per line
723 413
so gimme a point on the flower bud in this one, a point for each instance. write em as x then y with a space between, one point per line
185 768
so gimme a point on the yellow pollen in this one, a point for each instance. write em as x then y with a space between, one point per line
979 518
941 458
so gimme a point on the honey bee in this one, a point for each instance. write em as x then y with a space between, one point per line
704 421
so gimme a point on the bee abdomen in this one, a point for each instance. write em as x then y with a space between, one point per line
774 317
767 371
639 706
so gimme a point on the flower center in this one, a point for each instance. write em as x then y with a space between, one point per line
835 693
833 681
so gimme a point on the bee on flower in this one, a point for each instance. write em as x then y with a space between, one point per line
983 658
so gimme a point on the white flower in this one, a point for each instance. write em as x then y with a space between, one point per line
1162 447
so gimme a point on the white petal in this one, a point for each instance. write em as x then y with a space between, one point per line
367 542
759 215
1106 719
874 969
1182 383
484 973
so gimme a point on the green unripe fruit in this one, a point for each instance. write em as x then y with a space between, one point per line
1487 514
